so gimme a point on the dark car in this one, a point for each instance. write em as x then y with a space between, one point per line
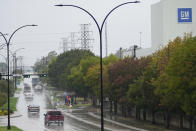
53 117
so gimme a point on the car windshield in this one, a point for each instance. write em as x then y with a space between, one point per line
54 113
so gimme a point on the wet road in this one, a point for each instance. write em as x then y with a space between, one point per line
35 122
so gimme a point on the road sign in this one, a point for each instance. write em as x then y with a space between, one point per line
184 15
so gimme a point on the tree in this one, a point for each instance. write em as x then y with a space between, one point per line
141 93
122 74
60 69
181 74
77 74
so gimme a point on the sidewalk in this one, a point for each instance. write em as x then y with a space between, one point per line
132 123
91 115
14 115
83 115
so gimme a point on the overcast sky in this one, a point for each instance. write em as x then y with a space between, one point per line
55 23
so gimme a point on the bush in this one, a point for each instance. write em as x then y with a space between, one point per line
3 98
3 87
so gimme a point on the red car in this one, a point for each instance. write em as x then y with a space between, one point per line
53 117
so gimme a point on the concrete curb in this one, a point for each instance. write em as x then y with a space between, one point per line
11 116
117 123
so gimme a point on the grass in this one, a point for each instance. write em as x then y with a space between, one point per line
13 101
13 128
79 99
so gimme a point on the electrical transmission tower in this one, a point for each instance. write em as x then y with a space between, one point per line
73 40
85 37
65 44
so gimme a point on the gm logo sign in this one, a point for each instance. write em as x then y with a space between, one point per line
184 15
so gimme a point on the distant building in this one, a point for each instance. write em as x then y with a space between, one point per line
169 19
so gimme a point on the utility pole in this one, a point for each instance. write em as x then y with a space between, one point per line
134 51
140 39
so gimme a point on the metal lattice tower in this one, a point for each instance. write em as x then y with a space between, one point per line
73 40
65 44
85 37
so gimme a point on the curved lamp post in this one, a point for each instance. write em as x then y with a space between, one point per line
8 43
100 29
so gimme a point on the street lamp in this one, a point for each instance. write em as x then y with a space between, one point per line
100 29
8 82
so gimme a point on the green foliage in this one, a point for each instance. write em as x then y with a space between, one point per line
13 101
92 79
181 75
3 87
3 98
125 72
60 69
141 92
76 77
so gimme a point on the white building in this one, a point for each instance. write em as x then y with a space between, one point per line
169 19
172 18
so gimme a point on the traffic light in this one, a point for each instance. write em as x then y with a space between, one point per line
26 76
42 75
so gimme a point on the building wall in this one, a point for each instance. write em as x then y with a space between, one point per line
164 21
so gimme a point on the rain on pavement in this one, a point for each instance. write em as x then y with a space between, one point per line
35 122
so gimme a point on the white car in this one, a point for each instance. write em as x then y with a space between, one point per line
38 87
28 95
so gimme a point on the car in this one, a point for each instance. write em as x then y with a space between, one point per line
33 108
29 96
38 88
27 88
53 117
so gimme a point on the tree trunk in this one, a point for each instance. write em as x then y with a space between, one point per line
129 111
144 115
137 113
115 107
122 109
111 107
191 124
153 117
125 111
94 101
167 120
181 121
